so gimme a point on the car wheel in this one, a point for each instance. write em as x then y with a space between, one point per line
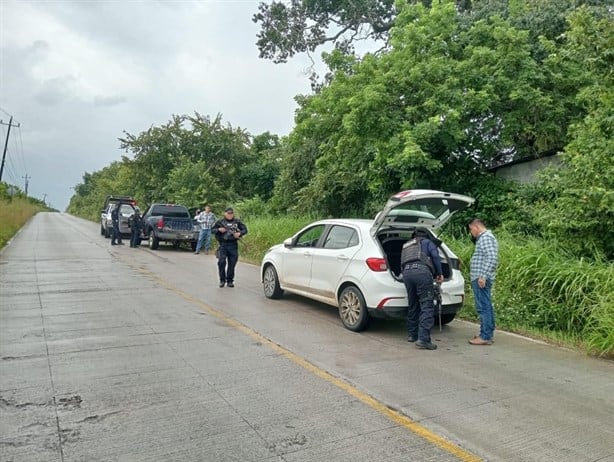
102 233
107 232
445 318
270 283
353 309
193 246
154 242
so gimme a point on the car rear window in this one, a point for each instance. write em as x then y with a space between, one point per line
172 211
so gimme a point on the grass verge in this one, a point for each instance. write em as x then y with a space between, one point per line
13 215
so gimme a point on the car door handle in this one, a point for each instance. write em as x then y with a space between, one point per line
342 257
307 254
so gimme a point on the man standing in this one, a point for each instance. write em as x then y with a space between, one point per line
228 231
421 263
206 219
116 237
483 267
136 224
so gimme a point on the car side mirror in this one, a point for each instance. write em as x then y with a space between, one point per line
288 243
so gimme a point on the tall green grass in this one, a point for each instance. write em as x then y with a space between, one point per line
264 232
540 288
13 215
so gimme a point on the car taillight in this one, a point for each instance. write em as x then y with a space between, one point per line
377 264
160 223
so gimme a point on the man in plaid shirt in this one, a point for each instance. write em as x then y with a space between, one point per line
206 218
483 267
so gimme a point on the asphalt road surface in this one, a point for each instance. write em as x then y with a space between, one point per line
119 354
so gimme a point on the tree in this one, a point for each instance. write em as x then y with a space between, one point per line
257 176
444 102
579 209
162 155
304 25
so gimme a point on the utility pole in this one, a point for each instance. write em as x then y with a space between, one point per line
26 177
6 143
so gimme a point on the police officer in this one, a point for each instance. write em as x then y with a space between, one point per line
421 263
228 231
136 224
116 237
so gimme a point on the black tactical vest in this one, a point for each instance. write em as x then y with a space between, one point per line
412 252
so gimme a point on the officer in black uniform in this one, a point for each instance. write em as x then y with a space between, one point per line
116 237
421 263
136 224
228 231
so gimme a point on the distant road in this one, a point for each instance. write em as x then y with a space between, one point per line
119 354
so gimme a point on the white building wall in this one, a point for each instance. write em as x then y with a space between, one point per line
525 172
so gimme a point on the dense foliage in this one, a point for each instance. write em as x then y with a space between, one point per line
191 160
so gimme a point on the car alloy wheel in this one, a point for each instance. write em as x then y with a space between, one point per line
353 309
270 283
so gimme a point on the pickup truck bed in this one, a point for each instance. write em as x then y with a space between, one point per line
169 223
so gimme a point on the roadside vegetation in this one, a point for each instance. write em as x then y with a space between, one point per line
456 90
15 211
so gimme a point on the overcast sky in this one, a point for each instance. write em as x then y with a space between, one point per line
77 74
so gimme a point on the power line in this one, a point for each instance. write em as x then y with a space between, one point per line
5 112
21 151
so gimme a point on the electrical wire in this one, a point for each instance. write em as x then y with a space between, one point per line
23 157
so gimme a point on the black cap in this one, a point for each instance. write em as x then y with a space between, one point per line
229 209
421 232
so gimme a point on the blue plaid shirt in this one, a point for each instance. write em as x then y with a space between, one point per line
206 220
485 258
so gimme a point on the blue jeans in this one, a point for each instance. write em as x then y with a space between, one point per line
483 305
204 236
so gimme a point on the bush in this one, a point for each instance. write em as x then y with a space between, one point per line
14 213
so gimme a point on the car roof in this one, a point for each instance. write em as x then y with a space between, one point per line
362 223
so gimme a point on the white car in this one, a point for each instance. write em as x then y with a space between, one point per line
355 264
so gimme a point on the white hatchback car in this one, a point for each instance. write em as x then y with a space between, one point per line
355 264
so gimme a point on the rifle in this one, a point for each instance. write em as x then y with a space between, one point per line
437 301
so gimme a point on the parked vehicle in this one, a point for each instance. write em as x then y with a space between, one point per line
355 264
169 223
127 206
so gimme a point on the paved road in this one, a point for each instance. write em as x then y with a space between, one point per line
111 353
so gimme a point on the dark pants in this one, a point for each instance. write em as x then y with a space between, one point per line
135 239
228 253
418 281
116 236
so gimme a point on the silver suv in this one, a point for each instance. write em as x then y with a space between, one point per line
126 210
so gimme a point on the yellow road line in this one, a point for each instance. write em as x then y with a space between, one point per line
395 416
